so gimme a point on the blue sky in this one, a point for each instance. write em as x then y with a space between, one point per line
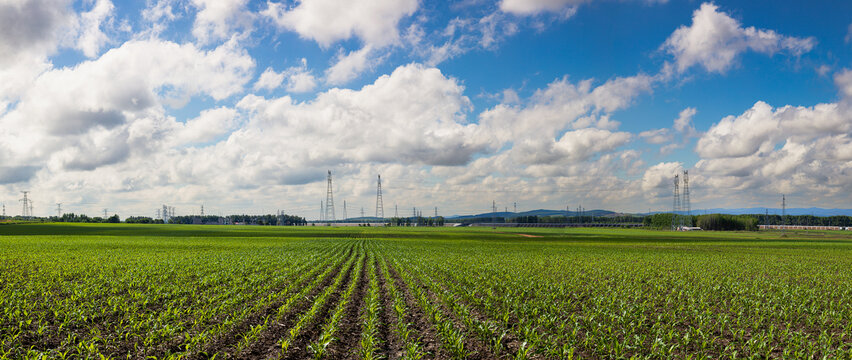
244 105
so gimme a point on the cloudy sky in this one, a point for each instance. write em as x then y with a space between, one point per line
244 105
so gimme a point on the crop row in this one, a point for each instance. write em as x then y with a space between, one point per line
402 299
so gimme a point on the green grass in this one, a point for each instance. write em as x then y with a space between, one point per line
182 291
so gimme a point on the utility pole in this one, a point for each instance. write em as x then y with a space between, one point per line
516 208
362 212
395 211
202 210
344 210
105 213
4 210
380 206
58 210
322 213
436 212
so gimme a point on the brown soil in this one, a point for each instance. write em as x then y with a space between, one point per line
349 333
299 348
391 345
417 320
268 339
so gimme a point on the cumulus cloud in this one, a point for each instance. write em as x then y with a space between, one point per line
780 150
562 105
372 124
683 123
529 7
760 128
564 7
657 136
100 111
658 179
30 31
208 126
218 19
298 79
32 27
327 21
714 40
349 66
843 80
92 38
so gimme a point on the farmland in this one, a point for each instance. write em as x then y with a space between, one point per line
196 292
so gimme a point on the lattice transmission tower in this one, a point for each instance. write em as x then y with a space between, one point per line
27 210
380 206
329 201
685 202
676 205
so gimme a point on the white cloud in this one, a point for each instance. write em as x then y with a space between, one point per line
529 7
848 37
843 80
715 39
562 105
269 80
584 143
103 111
566 8
219 19
759 129
370 125
208 126
683 123
299 79
92 38
32 28
658 179
349 66
658 136
327 21
30 31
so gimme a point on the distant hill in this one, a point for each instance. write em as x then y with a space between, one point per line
539 212
777 211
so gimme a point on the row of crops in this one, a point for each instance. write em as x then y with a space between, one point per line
376 295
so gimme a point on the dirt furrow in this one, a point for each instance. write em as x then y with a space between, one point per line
417 318
349 333
225 342
391 346
267 340
299 348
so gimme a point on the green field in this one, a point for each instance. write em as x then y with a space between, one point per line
180 291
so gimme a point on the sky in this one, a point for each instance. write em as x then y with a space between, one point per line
244 106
